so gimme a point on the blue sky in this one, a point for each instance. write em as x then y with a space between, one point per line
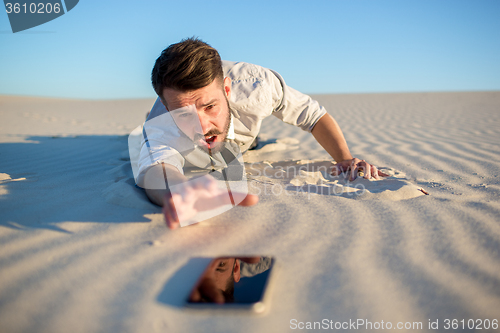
106 49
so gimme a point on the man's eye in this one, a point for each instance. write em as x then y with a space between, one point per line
210 107
222 264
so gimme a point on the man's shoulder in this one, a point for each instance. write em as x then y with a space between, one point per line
240 71
254 89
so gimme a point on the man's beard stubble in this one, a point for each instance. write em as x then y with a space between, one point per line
223 134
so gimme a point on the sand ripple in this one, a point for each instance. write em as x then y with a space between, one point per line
76 256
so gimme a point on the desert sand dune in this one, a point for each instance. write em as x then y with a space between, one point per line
83 250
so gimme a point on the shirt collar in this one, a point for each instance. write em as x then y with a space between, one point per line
230 132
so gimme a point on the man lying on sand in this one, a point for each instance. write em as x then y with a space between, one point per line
213 102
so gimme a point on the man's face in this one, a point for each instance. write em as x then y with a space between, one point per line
223 269
217 280
211 105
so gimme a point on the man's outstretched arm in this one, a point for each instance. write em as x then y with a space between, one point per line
182 198
155 181
329 135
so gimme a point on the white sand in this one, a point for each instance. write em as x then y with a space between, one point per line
82 250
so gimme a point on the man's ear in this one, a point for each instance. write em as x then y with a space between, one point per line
236 271
227 87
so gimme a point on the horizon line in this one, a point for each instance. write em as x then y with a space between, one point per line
310 94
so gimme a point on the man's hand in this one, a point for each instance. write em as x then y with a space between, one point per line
329 135
354 166
198 195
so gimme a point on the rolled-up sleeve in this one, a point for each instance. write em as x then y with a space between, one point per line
159 137
154 152
294 107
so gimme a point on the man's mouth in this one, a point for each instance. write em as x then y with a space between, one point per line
211 140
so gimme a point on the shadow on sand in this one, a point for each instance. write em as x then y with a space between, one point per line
48 180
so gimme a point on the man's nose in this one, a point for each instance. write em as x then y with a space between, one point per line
205 123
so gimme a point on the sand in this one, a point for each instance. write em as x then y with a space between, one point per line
82 250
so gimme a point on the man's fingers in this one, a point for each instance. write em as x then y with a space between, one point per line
354 173
173 211
375 172
367 170
354 168
171 222
171 217
249 200
356 165
166 212
335 170
340 167
190 204
243 199
380 173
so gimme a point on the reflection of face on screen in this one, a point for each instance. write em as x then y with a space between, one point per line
240 280
217 283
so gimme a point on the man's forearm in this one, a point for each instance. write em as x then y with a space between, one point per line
329 135
157 178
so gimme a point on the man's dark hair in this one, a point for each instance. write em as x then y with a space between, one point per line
188 65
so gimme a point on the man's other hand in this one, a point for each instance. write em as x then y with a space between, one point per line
354 166
198 195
